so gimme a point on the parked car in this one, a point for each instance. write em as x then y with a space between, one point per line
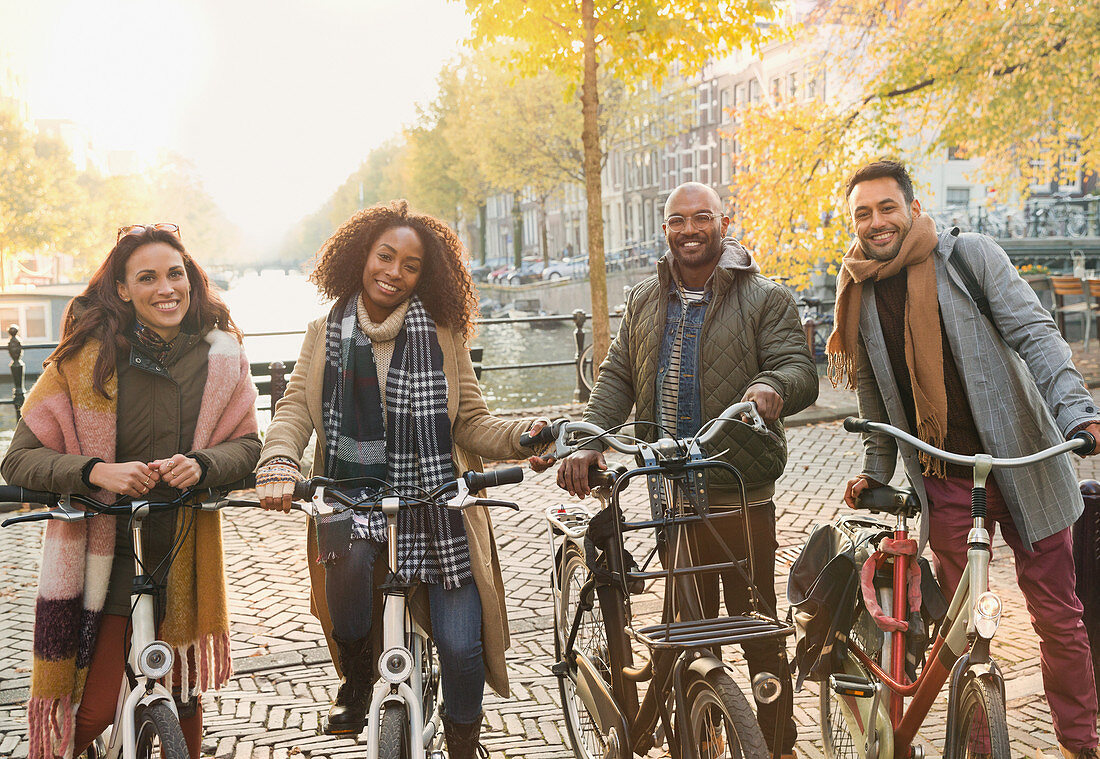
481 272
529 271
567 268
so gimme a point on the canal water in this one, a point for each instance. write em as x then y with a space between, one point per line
273 301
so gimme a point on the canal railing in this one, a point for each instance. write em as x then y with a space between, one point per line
271 377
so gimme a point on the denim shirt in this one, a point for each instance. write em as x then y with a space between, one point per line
690 320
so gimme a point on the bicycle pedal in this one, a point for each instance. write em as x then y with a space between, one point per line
851 685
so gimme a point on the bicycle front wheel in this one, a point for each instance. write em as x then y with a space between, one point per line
393 733
720 721
158 732
982 725
591 641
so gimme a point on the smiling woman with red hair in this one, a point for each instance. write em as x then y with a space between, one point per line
148 393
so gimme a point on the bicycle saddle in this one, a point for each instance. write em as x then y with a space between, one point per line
889 500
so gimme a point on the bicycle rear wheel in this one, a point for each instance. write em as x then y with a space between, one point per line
720 721
591 641
158 733
982 725
393 733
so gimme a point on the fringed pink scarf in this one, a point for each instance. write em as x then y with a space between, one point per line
68 415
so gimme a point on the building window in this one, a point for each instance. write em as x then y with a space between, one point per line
792 85
754 91
32 319
958 196
777 83
957 153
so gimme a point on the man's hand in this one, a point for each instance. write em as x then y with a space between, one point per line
179 471
857 486
1094 430
768 401
132 478
573 472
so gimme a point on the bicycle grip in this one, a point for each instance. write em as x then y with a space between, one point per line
506 476
545 435
855 424
303 490
1090 443
13 494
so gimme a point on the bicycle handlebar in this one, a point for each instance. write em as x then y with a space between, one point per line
13 494
559 431
1082 443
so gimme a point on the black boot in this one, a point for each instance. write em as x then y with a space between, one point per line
349 710
462 740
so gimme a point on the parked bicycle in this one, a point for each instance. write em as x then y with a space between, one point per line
1057 216
817 325
691 703
146 721
868 668
404 719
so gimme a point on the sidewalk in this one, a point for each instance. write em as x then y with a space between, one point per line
283 679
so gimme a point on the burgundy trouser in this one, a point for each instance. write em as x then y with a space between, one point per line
1047 578
97 705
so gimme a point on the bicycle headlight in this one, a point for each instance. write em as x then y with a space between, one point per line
987 614
396 665
155 660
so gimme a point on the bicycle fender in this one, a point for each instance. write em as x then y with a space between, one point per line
593 691
404 694
704 665
139 697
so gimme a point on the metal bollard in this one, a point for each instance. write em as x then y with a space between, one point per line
1086 557
277 372
477 354
580 391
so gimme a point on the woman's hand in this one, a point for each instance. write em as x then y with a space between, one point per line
540 462
132 478
275 483
179 471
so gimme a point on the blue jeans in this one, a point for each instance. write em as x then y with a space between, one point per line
456 626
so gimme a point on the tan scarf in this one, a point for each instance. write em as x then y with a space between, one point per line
923 341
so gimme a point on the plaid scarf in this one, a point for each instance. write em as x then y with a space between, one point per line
66 414
412 451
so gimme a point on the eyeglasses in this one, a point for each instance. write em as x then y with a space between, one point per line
137 229
699 220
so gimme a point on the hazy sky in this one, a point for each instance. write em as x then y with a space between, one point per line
275 102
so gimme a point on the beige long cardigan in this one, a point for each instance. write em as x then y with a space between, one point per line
475 432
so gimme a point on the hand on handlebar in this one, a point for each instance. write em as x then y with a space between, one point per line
132 478
768 402
1094 430
857 486
573 472
275 484
542 460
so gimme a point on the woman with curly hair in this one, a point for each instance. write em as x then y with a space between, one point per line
147 394
386 382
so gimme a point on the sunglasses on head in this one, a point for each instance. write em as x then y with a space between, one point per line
137 229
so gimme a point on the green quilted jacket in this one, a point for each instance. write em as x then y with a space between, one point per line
751 333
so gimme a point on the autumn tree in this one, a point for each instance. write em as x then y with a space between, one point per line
1012 84
636 40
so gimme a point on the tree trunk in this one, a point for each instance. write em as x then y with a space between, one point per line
590 137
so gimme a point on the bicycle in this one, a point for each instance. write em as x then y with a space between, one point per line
404 719
1056 216
862 701
692 702
813 320
146 718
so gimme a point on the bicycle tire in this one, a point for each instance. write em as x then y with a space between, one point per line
841 734
158 734
585 366
393 732
982 726
584 734
720 721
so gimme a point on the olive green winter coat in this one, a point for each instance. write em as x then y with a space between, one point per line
751 333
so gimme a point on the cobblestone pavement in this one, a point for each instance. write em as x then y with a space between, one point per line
284 680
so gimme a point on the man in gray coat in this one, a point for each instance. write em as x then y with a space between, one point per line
922 356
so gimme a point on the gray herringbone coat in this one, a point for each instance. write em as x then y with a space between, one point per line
1024 391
